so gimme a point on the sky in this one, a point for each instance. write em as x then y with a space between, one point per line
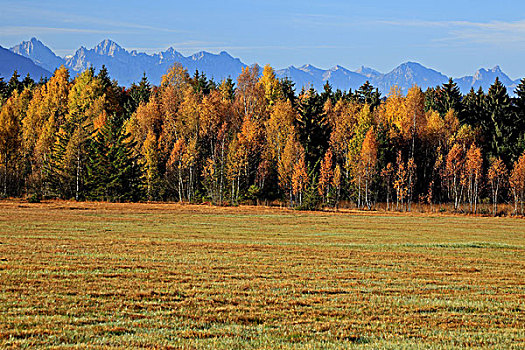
454 37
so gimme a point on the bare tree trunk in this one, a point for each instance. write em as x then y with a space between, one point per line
359 194
181 189
5 173
77 177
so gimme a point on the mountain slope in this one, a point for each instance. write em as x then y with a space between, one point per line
10 61
128 67
408 74
308 75
484 78
40 54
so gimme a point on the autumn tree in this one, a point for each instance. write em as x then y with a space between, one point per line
336 183
236 163
214 126
473 169
85 102
45 114
150 157
517 184
270 84
496 176
387 175
412 123
411 172
292 154
326 174
10 139
369 163
250 95
300 179
400 181
393 114
455 164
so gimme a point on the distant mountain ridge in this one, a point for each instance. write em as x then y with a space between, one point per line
40 54
128 67
10 61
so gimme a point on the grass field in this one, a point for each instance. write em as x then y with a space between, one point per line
163 275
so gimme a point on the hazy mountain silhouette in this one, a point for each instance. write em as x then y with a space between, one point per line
128 67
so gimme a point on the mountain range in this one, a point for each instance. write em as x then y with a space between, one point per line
9 62
126 67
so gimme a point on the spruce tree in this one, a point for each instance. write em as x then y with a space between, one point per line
519 118
14 83
367 94
312 127
137 94
499 128
288 91
104 78
473 108
431 99
327 93
27 83
448 97
4 90
112 170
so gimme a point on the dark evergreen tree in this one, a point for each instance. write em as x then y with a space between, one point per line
313 127
448 97
14 83
367 94
65 171
338 95
499 128
112 170
27 83
473 108
288 91
327 93
201 84
137 94
431 99
104 78
4 89
519 118
42 81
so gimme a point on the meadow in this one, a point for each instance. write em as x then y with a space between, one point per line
99 275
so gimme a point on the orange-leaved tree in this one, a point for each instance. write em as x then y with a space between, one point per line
454 172
326 174
299 178
369 162
473 169
400 181
293 153
517 183
496 175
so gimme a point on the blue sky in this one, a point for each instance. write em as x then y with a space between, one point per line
454 37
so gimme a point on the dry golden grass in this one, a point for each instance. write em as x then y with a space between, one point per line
104 275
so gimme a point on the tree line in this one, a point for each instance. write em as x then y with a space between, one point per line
191 139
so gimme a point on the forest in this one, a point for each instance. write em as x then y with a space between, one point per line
258 140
